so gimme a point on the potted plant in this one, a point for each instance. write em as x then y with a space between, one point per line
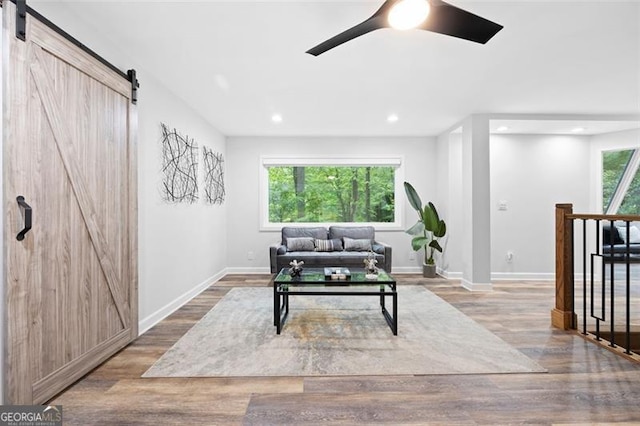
426 231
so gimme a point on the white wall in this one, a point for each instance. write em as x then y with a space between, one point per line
532 173
243 165
449 201
451 261
181 247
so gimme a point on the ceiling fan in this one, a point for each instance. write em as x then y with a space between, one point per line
429 15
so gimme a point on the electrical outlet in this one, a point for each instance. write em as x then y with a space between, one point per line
509 256
250 255
412 255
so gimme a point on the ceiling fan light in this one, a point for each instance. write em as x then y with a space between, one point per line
408 14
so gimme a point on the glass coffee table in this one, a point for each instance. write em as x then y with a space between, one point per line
321 282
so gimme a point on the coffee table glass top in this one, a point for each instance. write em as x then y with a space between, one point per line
317 276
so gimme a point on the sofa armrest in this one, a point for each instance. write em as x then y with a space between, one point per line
274 250
383 248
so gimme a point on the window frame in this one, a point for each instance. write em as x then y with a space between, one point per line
269 161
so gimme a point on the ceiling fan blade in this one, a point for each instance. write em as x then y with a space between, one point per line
450 20
371 24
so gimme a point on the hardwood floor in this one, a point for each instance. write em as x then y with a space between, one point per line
585 384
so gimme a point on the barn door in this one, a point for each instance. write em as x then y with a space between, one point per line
69 151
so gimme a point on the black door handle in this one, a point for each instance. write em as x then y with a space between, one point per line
27 217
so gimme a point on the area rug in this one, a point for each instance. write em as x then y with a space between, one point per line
337 336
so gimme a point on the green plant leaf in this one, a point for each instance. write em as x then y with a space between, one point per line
414 198
441 230
435 212
416 229
430 218
418 242
435 245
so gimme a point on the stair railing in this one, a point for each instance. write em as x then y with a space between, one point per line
595 264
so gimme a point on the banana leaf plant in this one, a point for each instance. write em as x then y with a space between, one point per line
428 228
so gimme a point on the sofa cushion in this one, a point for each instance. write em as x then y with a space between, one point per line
300 244
377 248
300 231
353 232
634 234
328 245
609 231
357 245
351 259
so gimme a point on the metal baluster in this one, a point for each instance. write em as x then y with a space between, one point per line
592 291
584 276
612 338
628 303
628 296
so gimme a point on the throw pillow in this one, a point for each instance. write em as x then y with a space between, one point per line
634 234
300 244
329 245
356 245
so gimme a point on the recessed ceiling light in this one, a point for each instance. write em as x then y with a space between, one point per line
276 118
392 118
577 129
502 129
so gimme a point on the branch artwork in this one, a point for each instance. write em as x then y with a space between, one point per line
179 167
213 176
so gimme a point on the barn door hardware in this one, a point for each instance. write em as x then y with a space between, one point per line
21 19
134 85
27 217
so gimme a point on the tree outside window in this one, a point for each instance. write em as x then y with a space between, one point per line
331 194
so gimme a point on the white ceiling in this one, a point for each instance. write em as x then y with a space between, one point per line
239 62
561 127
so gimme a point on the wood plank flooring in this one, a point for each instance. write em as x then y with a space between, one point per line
585 384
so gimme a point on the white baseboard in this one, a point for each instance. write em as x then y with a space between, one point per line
476 286
523 276
406 270
449 274
250 271
146 323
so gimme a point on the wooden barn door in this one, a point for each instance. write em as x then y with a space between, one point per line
69 150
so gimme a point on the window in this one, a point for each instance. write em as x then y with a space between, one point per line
331 191
621 182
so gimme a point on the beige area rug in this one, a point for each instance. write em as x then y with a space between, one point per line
336 336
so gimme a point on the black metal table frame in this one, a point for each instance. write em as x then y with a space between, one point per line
281 295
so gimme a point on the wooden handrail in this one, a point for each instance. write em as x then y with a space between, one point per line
614 217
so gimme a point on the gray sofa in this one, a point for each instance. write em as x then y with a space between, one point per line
319 247
618 251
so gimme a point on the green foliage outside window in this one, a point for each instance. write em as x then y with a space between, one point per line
631 202
331 194
614 164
